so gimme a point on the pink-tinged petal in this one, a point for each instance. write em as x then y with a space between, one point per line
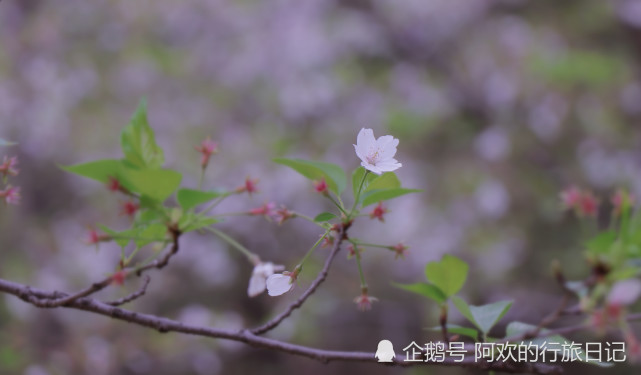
364 142
257 285
389 166
278 284
359 153
371 168
387 145
625 292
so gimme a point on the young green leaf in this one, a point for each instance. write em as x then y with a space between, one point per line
483 317
157 184
387 180
375 196
155 232
191 222
99 170
189 198
427 290
602 243
316 170
122 238
325 216
448 274
139 143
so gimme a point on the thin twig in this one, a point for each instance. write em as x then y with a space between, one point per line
133 296
57 301
312 288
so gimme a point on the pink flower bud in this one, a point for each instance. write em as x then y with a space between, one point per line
94 237
11 194
207 148
378 212
119 277
129 208
621 200
266 210
250 186
588 205
321 186
364 301
8 166
400 250
283 214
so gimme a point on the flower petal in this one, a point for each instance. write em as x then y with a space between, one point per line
364 142
387 147
278 284
371 167
389 165
256 285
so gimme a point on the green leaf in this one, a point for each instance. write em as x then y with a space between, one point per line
375 196
99 170
387 180
483 317
464 309
316 170
357 177
157 184
602 243
488 315
458 330
325 216
189 198
191 222
4 142
156 232
139 143
122 242
448 274
427 290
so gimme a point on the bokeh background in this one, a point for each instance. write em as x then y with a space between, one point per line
498 105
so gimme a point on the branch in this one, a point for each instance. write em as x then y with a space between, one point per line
133 296
62 299
342 235
35 296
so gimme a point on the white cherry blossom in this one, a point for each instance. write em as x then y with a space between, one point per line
279 283
377 155
258 280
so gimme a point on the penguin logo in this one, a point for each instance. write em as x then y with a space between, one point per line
385 351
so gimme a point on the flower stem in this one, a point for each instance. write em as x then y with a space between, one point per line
310 251
358 193
310 219
357 242
232 242
201 179
360 269
216 202
337 204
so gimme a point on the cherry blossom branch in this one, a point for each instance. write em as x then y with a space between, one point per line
133 296
57 301
342 235
163 325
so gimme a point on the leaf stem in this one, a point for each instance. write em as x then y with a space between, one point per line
358 193
310 251
235 244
